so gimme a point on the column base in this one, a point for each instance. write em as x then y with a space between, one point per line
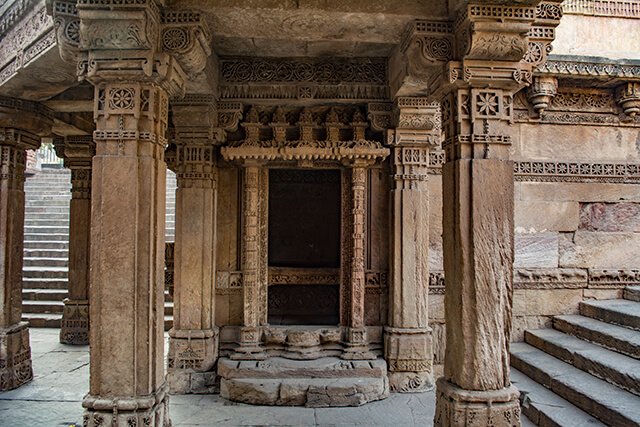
74 328
192 357
459 407
15 356
250 347
356 346
151 411
409 353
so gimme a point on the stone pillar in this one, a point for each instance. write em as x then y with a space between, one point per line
127 384
193 343
78 152
253 256
477 95
408 344
356 346
34 121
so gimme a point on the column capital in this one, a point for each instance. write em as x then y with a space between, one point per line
137 41
24 122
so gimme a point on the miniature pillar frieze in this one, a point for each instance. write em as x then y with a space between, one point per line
408 343
22 124
77 152
628 97
193 342
476 89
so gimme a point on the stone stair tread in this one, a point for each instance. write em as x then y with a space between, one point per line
632 293
615 337
544 407
39 268
619 311
593 395
621 370
43 302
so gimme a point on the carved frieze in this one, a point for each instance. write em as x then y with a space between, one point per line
303 276
564 67
303 78
308 134
613 8
228 282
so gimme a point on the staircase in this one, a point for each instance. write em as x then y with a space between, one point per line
46 244
585 371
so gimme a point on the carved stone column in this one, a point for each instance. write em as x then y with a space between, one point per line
490 45
252 262
356 346
78 153
136 56
408 344
15 351
193 343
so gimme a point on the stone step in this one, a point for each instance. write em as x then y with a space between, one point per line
618 338
46 229
46 253
41 320
44 294
45 222
45 283
599 398
62 216
545 408
45 210
48 273
329 381
616 368
44 244
47 203
619 311
632 293
46 236
46 307
45 262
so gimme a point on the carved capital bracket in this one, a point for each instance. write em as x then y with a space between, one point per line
113 40
543 32
417 122
195 120
628 97
77 151
541 92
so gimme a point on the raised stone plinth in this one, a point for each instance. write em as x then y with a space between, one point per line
324 382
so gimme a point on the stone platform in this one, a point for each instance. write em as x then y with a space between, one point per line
325 382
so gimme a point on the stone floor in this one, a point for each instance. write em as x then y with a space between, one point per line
62 379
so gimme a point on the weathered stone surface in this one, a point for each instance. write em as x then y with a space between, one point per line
609 217
541 216
597 143
585 249
546 302
523 323
578 192
536 250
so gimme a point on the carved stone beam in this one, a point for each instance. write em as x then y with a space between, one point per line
425 47
185 37
628 96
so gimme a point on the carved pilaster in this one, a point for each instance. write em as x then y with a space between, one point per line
78 152
628 97
408 347
193 343
252 262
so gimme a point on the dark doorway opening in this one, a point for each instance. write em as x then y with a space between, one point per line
304 235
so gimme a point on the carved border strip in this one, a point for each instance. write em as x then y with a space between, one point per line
563 67
556 278
612 8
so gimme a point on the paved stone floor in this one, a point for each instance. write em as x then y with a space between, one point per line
62 379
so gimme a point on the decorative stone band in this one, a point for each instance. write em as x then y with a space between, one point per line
613 8
306 150
556 278
568 66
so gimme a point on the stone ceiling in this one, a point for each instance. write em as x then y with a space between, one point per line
289 28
